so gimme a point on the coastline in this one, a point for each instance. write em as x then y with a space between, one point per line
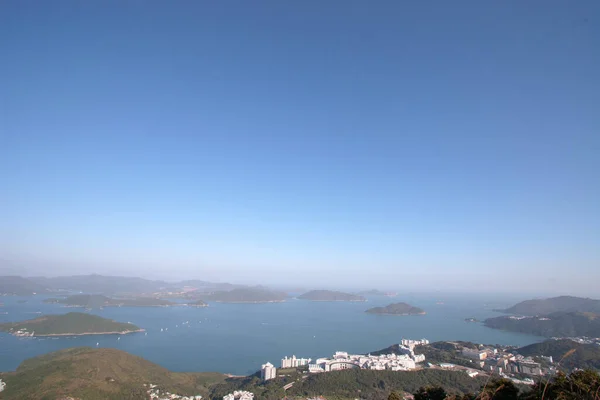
248 302
89 333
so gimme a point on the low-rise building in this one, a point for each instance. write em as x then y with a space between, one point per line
239 395
474 354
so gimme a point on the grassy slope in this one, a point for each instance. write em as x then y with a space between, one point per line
73 322
95 374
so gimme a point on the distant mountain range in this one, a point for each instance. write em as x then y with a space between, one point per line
330 295
19 286
108 285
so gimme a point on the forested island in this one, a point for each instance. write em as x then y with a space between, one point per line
396 309
330 295
70 324
97 301
247 295
198 303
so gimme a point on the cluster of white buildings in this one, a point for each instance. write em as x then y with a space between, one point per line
2 385
268 371
154 394
239 395
23 332
405 360
294 362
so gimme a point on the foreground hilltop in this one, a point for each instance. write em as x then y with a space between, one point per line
330 295
98 374
72 323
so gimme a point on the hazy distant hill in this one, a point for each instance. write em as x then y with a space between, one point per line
19 286
102 284
71 323
247 295
98 300
330 295
372 292
396 309
554 304
559 324
99 374
585 355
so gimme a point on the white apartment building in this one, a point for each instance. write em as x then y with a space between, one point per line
294 362
268 371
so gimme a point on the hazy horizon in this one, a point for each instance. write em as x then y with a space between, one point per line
339 144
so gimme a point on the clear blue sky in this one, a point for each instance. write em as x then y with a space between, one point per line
322 143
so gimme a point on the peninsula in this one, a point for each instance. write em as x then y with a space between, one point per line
330 295
97 301
396 309
70 324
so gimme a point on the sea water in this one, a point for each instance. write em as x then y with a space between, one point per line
238 338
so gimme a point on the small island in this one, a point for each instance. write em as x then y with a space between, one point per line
98 301
70 324
396 309
198 303
330 295
471 320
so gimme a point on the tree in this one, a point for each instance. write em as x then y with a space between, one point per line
394 396
430 393
500 389
578 385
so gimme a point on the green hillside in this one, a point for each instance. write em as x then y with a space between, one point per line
98 374
560 324
70 323
554 304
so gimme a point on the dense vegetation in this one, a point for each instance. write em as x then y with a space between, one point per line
376 385
396 309
330 295
560 324
97 300
554 304
584 356
579 385
247 295
70 323
98 374
18 286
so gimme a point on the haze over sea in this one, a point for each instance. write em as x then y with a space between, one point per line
238 338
